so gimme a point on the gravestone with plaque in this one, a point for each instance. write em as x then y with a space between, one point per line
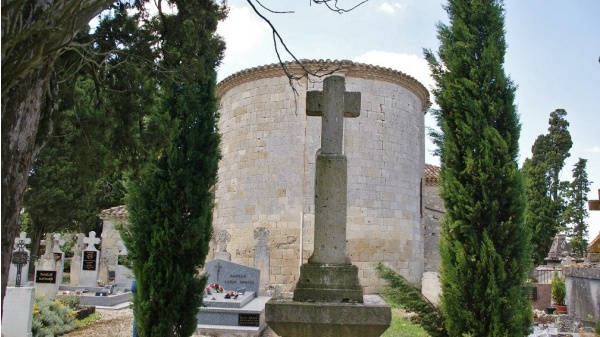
46 276
232 305
90 258
19 262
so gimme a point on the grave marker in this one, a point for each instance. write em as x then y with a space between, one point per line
89 261
77 259
46 282
19 261
328 299
59 255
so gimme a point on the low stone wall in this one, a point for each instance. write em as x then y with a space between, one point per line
583 290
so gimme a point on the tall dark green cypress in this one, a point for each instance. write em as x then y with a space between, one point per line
576 212
170 203
485 247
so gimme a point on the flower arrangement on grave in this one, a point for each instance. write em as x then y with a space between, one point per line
231 294
215 287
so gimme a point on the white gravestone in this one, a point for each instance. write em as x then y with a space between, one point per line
12 273
90 262
76 260
46 276
59 256
18 312
222 238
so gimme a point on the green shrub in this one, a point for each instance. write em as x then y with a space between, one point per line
51 318
70 300
559 290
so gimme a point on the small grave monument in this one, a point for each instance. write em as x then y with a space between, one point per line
90 258
76 260
222 238
328 299
262 257
19 262
232 305
46 275
59 255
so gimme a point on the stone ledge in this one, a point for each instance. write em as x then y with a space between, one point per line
289 318
590 272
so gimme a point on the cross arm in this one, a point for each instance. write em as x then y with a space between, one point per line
314 104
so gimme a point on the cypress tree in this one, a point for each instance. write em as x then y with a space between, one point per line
576 211
544 191
170 203
484 246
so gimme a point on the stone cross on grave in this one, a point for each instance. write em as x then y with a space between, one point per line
58 242
48 242
91 241
329 275
22 239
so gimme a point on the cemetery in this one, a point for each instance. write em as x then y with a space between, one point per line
298 254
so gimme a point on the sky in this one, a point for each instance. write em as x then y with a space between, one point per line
553 57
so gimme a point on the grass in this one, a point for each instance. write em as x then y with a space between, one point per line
89 320
402 326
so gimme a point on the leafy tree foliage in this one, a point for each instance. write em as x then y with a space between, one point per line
170 202
544 190
404 294
576 211
484 245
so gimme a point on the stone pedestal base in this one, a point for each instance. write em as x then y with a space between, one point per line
329 283
288 318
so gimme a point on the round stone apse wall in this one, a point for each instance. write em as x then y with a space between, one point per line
265 191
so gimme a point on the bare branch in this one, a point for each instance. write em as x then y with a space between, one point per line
272 11
335 7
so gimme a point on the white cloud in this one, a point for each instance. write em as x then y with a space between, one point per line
594 149
410 64
390 8
244 34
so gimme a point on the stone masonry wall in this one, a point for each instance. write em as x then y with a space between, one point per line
433 214
266 175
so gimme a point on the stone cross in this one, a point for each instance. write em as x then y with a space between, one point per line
594 205
22 239
91 240
58 242
329 275
48 242
333 104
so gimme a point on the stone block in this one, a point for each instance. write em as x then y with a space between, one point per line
325 319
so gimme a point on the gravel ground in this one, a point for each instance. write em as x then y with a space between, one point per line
115 323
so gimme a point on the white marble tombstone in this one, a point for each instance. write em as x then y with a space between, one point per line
46 277
90 258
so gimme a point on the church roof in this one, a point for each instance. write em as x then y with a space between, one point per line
117 212
349 68
432 174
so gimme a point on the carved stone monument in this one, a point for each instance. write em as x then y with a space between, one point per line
222 238
328 299
59 255
76 260
90 261
262 257
19 265
46 275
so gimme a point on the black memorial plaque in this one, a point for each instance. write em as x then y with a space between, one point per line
19 258
45 276
89 260
249 319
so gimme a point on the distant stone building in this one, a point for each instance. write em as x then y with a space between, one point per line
266 175
265 193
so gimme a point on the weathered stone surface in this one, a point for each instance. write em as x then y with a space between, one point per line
267 173
330 283
324 319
